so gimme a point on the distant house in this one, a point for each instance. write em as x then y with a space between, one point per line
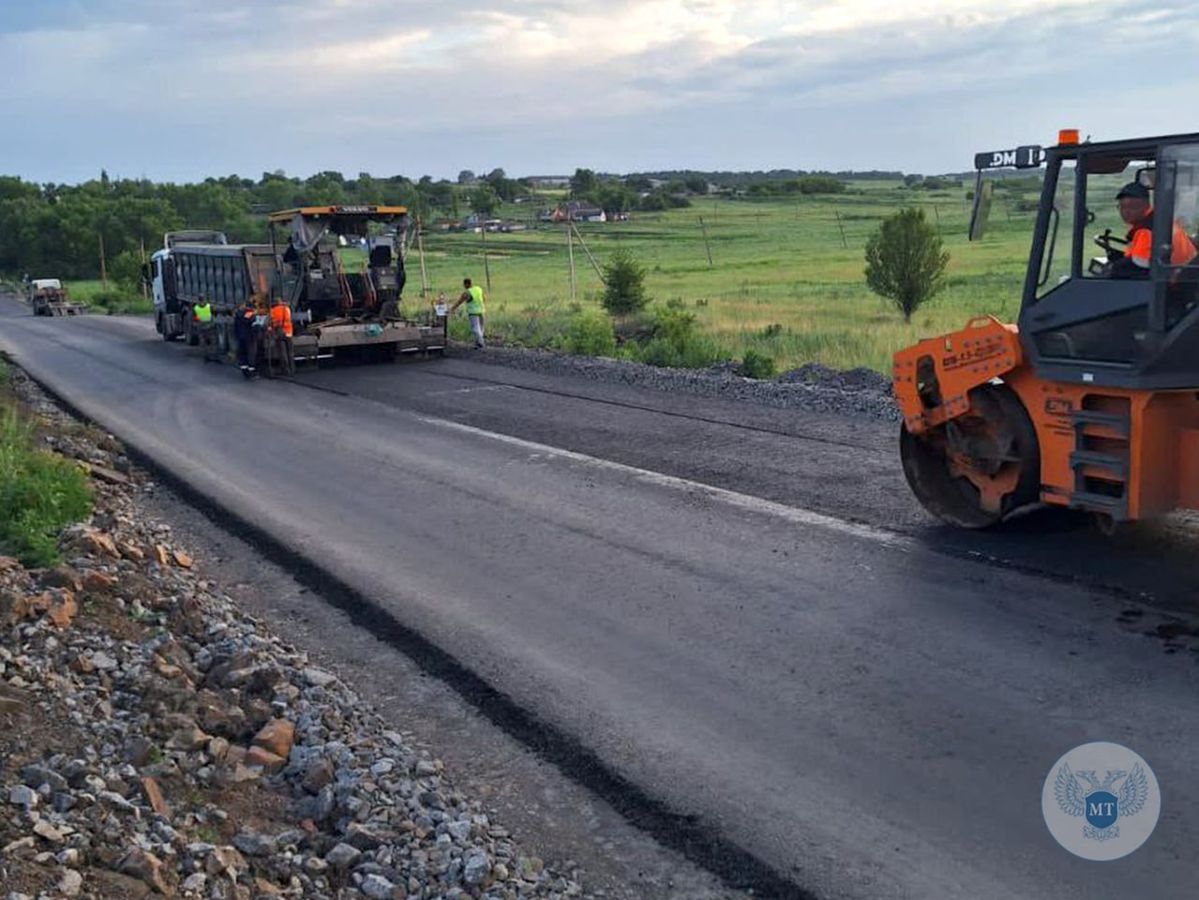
585 212
540 182
575 210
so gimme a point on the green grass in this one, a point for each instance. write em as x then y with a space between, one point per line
40 493
113 301
782 283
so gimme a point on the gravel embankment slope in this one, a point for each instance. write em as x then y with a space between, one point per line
810 387
155 739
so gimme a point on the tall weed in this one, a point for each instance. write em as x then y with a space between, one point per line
39 495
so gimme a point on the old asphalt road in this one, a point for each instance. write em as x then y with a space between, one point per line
732 614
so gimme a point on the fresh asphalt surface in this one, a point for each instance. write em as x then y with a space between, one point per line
737 608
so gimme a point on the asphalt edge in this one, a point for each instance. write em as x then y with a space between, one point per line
699 844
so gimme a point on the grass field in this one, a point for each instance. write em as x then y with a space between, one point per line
782 282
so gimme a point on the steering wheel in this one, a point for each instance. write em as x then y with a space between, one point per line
1106 242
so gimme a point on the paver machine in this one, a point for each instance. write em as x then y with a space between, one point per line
341 308
1090 401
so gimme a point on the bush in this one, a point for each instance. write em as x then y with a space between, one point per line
820 184
757 365
116 302
125 269
590 334
905 261
39 495
624 284
675 343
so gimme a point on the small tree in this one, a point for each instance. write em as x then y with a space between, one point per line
905 261
484 200
624 284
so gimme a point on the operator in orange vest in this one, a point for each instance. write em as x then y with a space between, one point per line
281 332
1137 213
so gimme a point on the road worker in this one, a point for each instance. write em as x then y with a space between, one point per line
281 334
472 296
245 330
1137 213
202 317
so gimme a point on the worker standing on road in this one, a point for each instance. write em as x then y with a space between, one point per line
472 296
202 312
281 334
245 330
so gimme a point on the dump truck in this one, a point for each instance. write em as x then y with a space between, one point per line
200 263
334 311
48 297
1091 399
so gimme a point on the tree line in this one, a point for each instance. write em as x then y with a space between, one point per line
62 229
59 229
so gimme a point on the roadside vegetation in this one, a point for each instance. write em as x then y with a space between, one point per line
787 282
767 266
117 299
40 492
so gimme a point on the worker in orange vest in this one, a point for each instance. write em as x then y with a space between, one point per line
281 332
1137 213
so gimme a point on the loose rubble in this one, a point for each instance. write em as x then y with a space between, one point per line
811 387
154 740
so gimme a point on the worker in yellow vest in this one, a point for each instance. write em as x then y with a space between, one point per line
202 313
472 296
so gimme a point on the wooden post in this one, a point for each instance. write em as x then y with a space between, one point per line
707 247
420 252
486 266
844 243
570 253
145 285
587 250
103 267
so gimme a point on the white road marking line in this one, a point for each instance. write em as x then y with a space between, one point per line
745 502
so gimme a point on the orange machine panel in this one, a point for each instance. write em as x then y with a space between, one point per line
932 379
1161 455
1188 468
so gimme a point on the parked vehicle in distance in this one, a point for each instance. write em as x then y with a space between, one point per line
48 297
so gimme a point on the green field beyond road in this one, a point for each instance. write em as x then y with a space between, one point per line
782 280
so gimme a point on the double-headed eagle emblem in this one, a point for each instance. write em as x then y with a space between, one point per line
1100 802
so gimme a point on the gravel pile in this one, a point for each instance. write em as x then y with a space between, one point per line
156 740
811 387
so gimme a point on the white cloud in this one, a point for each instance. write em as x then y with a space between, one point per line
554 79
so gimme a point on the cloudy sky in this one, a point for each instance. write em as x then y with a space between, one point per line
181 89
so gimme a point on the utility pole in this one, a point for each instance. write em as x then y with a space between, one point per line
844 243
707 246
145 285
570 253
587 250
486 265
103 267
420 252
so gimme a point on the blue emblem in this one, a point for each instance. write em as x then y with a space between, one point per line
1100 802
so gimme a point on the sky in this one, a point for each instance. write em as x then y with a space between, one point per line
178 90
